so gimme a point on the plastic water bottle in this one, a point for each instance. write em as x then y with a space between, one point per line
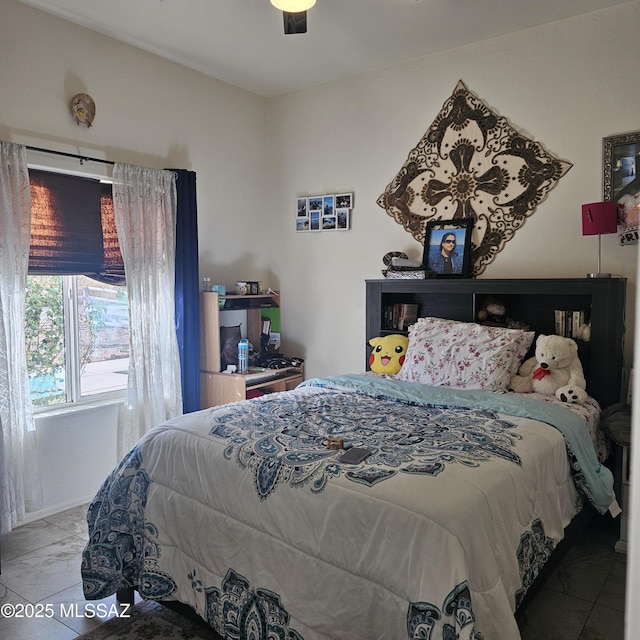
243 355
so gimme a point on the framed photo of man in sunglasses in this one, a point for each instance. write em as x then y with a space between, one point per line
447 248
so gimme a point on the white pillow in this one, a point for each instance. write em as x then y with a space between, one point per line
464 355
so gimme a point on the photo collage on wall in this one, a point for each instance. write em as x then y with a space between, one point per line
330 212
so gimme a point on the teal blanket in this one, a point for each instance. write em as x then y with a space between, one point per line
591 477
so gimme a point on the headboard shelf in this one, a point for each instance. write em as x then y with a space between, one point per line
533 301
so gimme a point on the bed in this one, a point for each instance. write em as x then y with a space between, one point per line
245 513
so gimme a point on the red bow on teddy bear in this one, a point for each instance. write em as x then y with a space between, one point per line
540 373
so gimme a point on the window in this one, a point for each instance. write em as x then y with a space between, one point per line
77 326
77 338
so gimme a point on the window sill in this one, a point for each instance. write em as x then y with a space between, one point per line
86 404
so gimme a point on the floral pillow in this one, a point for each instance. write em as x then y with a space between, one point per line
464 355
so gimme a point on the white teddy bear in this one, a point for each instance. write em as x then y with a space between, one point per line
555 370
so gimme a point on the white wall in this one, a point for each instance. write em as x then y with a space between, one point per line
568 85
76 452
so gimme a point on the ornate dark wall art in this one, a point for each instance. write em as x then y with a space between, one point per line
472 164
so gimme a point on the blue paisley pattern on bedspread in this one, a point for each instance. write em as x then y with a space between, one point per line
238 610
122 551
284 441
591 477
533 552
422 617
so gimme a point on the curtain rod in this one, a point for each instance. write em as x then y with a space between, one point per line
82 159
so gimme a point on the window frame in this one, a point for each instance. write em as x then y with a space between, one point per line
61 164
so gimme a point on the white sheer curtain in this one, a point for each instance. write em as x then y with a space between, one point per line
20 489
144 202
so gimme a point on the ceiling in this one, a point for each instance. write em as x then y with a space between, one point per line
242 42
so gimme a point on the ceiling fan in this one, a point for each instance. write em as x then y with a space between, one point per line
294 13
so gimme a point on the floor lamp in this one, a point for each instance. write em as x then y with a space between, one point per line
599 218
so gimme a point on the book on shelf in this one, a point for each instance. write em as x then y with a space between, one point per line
408 315
568 322
399 316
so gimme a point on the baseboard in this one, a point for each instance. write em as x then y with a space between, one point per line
32 516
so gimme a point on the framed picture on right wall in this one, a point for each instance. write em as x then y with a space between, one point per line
621 183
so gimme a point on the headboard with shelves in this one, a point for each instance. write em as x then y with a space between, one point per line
532 301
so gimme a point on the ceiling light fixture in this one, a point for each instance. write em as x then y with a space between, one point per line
293 6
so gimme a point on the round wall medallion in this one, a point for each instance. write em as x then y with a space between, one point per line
83 109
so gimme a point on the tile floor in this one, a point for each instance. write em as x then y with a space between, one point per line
41 566
582 600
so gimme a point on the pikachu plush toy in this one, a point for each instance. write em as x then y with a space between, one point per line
388 353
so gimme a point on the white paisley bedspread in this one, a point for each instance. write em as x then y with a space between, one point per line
242 512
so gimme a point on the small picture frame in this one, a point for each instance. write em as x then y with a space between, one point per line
302 204
621 182
344 201
447 248
342 219
329 223
314 221
328 205
315 203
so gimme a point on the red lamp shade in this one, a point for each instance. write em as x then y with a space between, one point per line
599 218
